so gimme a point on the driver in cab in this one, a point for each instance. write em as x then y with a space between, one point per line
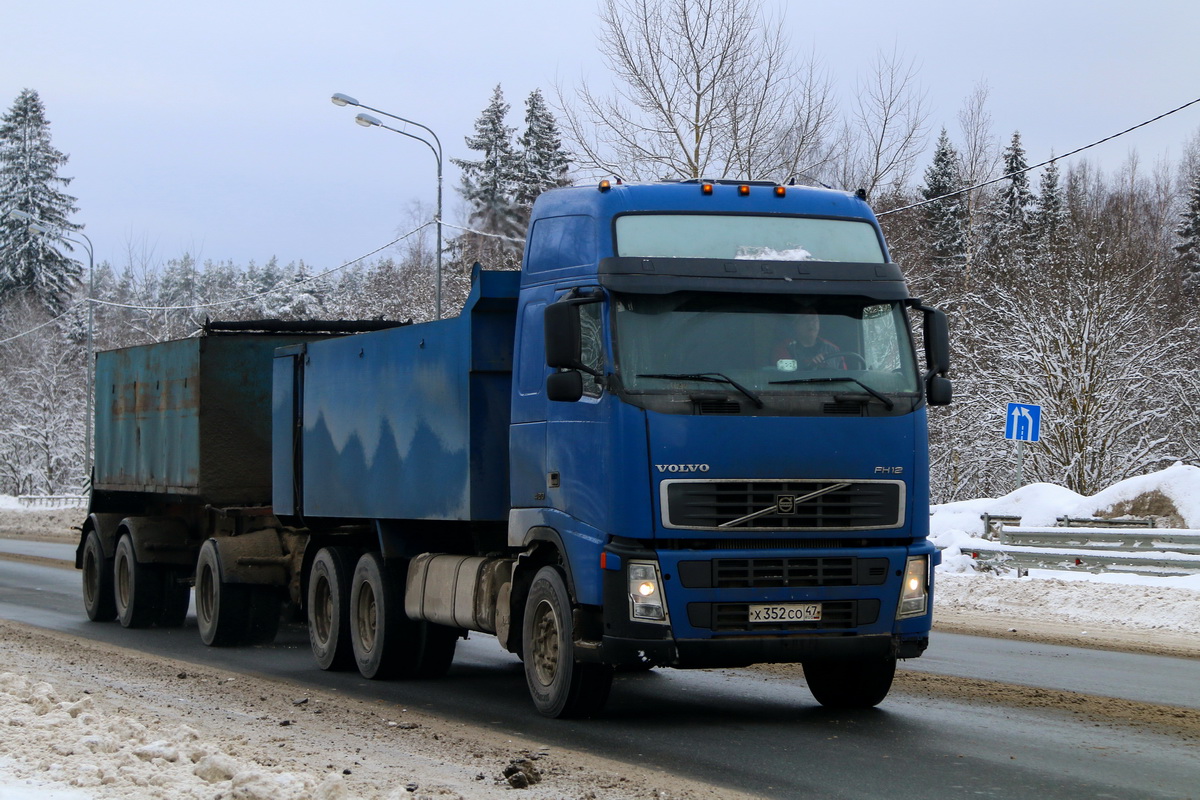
805 349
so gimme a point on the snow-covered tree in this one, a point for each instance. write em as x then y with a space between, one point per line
1009 226
489 183
543 163
31 264
1188 248
1050 213
944 216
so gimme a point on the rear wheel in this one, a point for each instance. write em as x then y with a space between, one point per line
98 598
386 643
329 607
176 595
559 685
137 588
850 684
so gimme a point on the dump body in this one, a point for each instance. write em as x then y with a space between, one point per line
404 424
187 418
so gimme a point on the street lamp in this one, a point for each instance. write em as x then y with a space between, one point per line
37 226
367 121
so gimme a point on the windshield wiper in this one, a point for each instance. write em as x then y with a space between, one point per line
708 377
886 400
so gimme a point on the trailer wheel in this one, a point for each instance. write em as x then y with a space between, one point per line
98 598
220 606
176 595
137 588
850 684
329 607
559 685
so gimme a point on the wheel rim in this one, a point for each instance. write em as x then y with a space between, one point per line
322 621
545 643
367 617
205 594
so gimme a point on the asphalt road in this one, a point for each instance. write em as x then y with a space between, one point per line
753 731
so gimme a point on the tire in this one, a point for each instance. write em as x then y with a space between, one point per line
98 598
559 685
220 607
850 684
329 607
176 595
378 624
264 611
438 643
137 588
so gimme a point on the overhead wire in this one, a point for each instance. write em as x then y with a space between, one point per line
1047 162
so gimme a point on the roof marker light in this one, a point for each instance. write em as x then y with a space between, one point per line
706 188
744 190
780 191
605 185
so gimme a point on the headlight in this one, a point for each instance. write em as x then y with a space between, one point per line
645 592
914 593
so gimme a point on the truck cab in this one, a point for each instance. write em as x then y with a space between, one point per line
719 421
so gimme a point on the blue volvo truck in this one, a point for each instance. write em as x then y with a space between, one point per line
690 432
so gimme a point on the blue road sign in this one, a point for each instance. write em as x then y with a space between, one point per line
1023 422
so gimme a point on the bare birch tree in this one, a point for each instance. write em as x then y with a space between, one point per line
704 88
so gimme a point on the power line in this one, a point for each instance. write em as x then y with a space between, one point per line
1043 164
218 303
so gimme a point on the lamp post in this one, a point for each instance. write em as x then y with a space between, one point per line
37 226
367 121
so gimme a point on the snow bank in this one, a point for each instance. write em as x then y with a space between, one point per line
1110 599
69 749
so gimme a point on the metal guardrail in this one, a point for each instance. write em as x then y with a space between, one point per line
52 500
1108 546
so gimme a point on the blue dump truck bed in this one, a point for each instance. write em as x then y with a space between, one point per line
189 418
408 423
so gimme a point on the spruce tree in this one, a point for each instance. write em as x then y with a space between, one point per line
543 162
1188 249
30 263
1050 213
1009 221
945 215
489 182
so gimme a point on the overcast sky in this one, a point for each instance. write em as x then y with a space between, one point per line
206 127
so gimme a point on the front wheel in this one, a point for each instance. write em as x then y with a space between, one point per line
559 685
230 614
850 684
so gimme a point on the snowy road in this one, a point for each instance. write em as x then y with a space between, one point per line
754 731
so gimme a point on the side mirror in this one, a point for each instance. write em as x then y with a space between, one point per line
937 341
565 387
938 391
564 340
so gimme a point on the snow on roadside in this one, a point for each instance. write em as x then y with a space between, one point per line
1112 599
66 747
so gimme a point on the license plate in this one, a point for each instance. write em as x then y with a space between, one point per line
785 612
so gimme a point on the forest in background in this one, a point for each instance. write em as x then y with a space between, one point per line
1066 286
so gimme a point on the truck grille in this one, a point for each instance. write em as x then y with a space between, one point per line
780 573
779 505
835 615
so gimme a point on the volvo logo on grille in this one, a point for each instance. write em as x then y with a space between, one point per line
785 505
682 467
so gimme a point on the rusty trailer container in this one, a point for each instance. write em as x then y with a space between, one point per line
189 419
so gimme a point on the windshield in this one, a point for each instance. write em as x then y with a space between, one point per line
760 238
782 353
